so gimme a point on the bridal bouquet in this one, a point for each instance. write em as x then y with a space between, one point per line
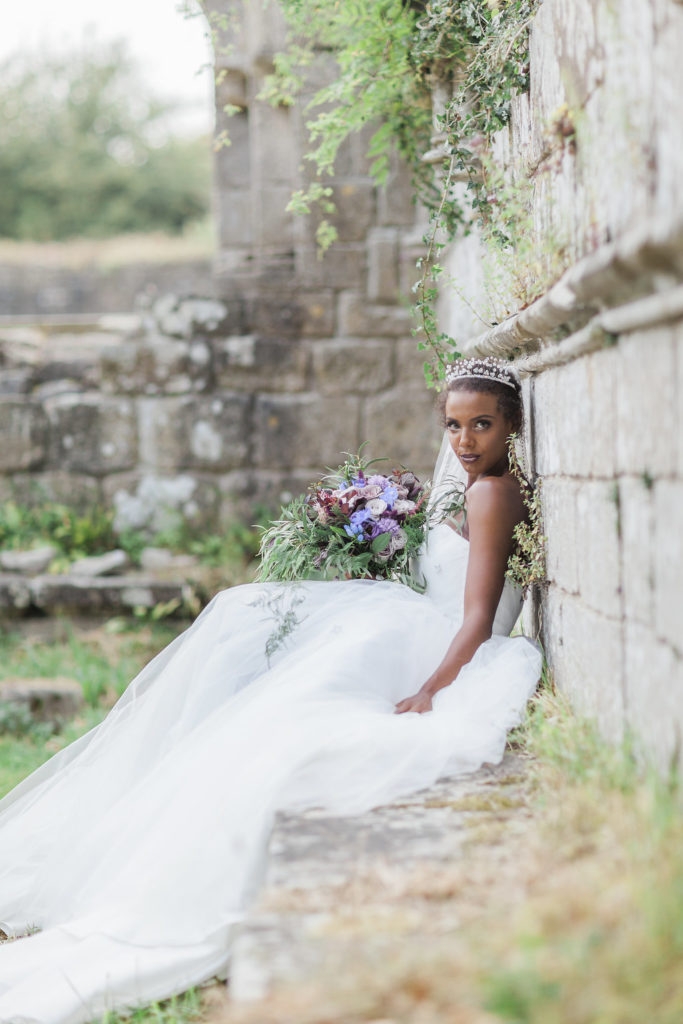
355 523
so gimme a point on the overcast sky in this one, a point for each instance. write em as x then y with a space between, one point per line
171 48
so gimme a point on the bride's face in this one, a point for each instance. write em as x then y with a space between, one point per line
478 432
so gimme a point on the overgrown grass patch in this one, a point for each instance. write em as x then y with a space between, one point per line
102 660
600 938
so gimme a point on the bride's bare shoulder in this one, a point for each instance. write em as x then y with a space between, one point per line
495 500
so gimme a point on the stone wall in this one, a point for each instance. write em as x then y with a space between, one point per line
602 353
210 407
347 314
35 290
181 413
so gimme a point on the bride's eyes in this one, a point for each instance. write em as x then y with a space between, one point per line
454 426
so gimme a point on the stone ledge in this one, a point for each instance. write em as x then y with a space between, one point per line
604 278
313 855
120 594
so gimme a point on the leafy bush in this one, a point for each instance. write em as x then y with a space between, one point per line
84 151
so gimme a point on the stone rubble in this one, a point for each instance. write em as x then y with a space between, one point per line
52 699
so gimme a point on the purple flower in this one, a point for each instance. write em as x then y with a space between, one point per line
386 525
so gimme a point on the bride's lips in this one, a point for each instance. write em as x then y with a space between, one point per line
468 458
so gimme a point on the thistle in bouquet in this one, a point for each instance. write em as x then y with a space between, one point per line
355 523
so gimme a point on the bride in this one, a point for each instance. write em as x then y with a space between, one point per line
137 849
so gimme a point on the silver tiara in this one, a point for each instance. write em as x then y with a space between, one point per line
488 368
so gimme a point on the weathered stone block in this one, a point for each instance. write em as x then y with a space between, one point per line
654 696
678 342
294 429
92 433
244 491
47 700
344 266
383 265
29 562
410 365
358 318
15 594
401 425
16 382
275 151
101 565
252 363
152 502
318 311
559 500
395 199
278 315
23 428
188 317
235 219
355 366
636 516
274 226
646 399
355 213
591 664
232 163
563 420
601 382
177 433
157 364
668 546
598 556
123 593
73 489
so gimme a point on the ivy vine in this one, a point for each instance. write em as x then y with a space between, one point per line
390 56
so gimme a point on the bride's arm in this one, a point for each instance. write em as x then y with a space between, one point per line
491 518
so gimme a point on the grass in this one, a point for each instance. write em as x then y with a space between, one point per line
601 937
569 912
101 659
184 1009
196 242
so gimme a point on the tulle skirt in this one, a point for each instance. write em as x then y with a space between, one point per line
137 849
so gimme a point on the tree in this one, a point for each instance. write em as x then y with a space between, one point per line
84 151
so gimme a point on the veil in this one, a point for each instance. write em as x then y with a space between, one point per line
448 482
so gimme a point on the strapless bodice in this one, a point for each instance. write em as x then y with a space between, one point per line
443 563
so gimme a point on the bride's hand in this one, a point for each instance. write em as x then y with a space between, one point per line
418 702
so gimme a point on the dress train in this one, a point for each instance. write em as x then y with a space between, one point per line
138 848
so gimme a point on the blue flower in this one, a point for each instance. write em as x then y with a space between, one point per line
389 494
360 517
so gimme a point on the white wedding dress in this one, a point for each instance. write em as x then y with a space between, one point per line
137 849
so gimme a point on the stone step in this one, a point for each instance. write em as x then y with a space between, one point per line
91 595
313 859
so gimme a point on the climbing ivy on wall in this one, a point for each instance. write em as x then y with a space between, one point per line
391 56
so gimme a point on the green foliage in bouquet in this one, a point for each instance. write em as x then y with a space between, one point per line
353 524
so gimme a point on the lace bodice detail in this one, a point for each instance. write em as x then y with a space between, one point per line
443 563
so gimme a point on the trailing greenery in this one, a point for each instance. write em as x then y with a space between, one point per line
390 56
84 151
526 566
